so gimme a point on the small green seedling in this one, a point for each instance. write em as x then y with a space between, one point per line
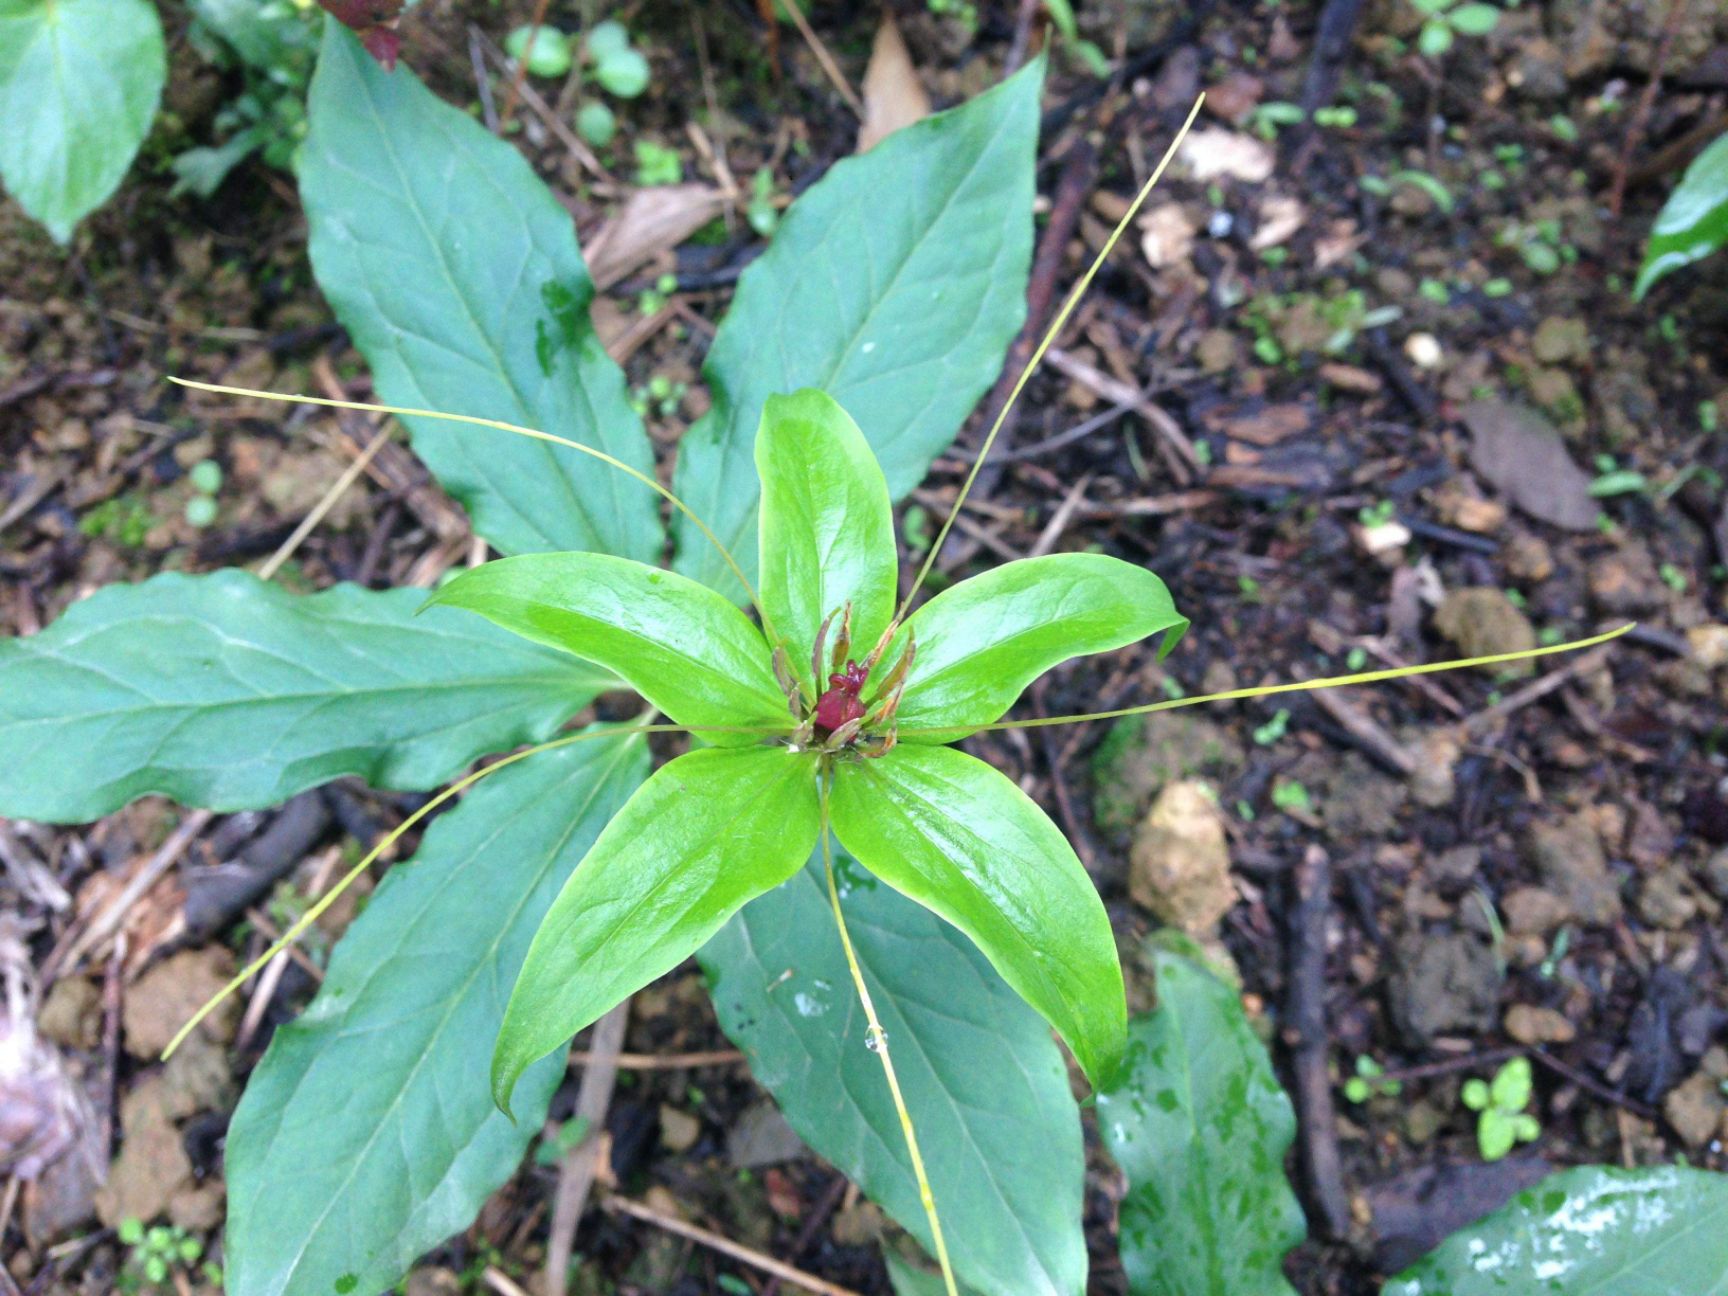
562 1138
657 165
1446 20
1367 1082
206 479
1502 1122
542 51
155 1255
1612 479
763 215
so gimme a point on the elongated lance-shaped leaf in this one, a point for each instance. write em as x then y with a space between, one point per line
368 1135
708 832
226 692
982 1076
79 84
1589 1231
1693 223
1200 1127
895 284
983 641
457 274
827 534
686 649
958 837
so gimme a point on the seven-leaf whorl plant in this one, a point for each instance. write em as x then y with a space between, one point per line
833 712
571 875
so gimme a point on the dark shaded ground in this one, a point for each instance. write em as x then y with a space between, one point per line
1309 351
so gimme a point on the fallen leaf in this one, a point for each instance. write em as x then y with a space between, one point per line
1166 236
1213 151
893 94
651 221
1280 217
1519 453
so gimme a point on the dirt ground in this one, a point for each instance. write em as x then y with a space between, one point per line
1363 393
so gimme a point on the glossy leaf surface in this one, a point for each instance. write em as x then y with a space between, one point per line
686 649
226 692
1589 1231
1200 1127
1693 223
962 840
79 84
983 641
827 535
983 1078
367 1135
894 284
708 832
457 274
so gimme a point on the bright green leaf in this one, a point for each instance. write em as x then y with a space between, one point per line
1474 19
1435 38
457 273
624 73
79 84
1512 1085
367 1134
544 51
1200 1127
1495 1134
827 534
686 649
226 692
1590 1231
708 832
1693 223
983 641
982 1075
962 840
895 284
607 38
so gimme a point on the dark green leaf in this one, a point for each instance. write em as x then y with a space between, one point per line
1200 1127
983 641
895 285
827 533
457 274
367 1134
686 649
708 832
961 839
223 691
1590 1231
983 1079
79 84
1693 223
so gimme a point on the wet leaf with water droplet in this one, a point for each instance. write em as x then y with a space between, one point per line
1200 1127
1590 1231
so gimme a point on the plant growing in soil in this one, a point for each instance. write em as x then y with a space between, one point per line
855 347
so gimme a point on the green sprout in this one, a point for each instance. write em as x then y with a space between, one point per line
1367 1082
657 165
542 51
1446 21
1502 1122
157 1253
206 478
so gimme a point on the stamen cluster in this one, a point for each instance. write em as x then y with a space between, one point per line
839 719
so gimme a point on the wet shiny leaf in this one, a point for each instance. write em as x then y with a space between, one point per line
957 836
1200 1127
710 831
983 1078
1590 1231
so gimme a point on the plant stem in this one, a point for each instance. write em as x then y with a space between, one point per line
878 1039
